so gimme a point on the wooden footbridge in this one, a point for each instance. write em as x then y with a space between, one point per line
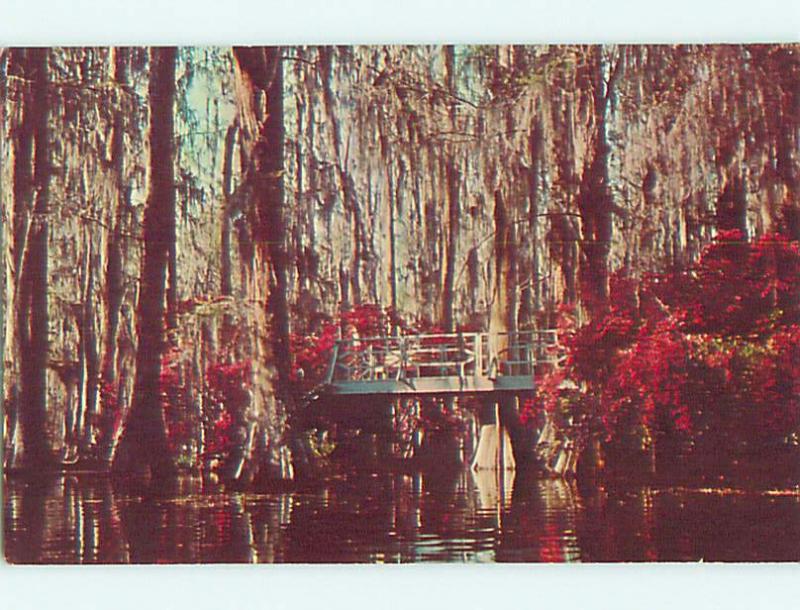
451 363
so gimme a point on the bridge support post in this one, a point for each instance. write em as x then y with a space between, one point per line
494 450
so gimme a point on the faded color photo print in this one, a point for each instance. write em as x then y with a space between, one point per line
390 304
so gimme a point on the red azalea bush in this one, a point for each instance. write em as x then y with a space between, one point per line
227 397
369 320
311 354
706 360
738 288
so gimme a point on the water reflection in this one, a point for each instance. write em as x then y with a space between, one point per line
492 485
443 516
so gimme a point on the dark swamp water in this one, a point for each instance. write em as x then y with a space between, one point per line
363 517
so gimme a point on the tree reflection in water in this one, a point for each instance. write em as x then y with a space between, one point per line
446 515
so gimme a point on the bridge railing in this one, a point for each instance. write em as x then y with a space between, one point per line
518 353
442 355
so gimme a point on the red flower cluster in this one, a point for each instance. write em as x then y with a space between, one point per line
228 384
710 355
219 438
227 396
369 320
311 353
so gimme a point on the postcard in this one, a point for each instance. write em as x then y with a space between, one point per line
400 303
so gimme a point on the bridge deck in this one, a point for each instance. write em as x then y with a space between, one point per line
451 363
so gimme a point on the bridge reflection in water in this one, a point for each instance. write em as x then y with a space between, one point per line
367 517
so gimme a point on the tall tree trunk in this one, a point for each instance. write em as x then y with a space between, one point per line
32 171
144 439
114 273
226 287
6 219
88 356
595 200
172 282
504 289
453 185
119 337
259 79
20 211
533 290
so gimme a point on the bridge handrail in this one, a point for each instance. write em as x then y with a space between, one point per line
454 354
456 335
